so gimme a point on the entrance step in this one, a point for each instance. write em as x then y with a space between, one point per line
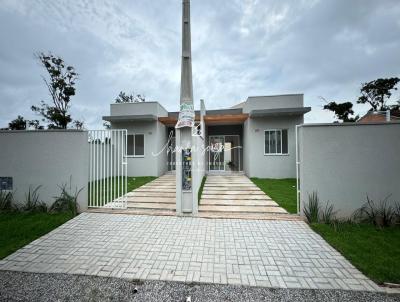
152 199
241 209
243 202
235 197
152 205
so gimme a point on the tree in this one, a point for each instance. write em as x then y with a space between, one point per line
79 125
61 89
20 124
377 92
129 98
342 111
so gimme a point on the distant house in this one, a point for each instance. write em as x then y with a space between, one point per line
379 116
256 137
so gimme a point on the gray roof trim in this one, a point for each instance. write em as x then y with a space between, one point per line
211 112
126 118
279 111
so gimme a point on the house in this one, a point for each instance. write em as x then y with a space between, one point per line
380 116
256 137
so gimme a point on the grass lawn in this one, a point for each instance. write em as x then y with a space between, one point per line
107 186
283 191
18 229
375 252
203 181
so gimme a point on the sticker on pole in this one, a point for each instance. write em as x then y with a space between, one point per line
186 116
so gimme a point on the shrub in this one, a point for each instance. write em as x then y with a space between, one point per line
6 200
380 214
32 201
66 202
328 214
312 208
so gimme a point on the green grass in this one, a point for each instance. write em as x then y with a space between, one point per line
108 186
283 191
203 181
375 252
18 229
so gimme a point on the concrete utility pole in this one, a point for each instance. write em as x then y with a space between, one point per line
184 173
186 67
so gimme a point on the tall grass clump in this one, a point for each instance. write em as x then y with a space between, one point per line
312 208
32 202
314 212
380 214
66 201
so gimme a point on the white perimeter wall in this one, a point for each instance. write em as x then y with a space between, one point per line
46 158
344 163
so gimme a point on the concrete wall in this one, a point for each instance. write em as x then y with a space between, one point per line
273 102
46 158
256 164
344 163
142 108
155 138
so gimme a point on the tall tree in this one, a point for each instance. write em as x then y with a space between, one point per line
342 111
61 87
129 98
377 92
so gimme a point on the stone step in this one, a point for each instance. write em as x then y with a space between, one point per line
147 205
149 194
213 192
250 216
155 190
220 188
241 209
230 202
140 199
235 197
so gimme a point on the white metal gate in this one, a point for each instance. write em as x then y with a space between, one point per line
108 168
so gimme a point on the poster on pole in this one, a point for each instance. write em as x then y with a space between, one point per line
186 116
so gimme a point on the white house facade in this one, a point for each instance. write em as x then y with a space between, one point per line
256 137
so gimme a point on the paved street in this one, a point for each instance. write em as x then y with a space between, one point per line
284 254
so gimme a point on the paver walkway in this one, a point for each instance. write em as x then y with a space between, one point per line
285 254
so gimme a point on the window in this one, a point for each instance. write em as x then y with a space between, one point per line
135 145
276 141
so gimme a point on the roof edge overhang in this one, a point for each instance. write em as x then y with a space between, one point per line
279 112
130 118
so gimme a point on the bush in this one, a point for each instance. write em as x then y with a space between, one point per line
66 202
312 208
314 213
6 201
32 202
379 214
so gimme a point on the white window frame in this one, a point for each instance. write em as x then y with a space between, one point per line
134 144
280 133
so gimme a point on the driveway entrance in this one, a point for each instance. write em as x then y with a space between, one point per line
286 254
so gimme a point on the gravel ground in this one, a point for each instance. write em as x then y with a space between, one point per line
19 286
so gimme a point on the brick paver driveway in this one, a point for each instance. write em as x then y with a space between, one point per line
249 252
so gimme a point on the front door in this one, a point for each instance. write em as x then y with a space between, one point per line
216 154
171 154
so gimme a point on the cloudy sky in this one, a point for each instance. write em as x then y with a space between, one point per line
240 48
